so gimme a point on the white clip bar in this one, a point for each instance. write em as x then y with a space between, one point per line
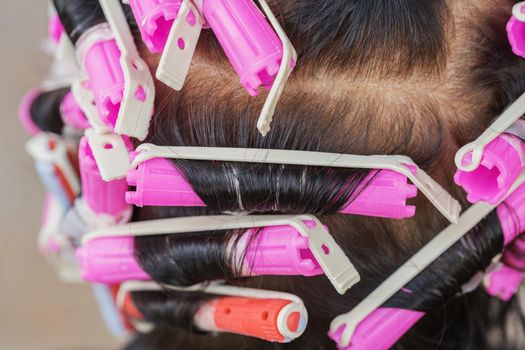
327 252
436 194
111 154
515 111
136 108
415 265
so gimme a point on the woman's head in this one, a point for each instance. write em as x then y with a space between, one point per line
405 77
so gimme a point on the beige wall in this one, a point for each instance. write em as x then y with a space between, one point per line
36 310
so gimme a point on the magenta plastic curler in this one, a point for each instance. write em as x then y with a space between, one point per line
251 44
277 250
380 330
159 183
505 281
516 34
502 161
155 19
72 114
101 61
24 111
109 260
103 197
384 196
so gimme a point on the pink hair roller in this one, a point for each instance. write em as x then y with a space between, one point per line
109 260
103 197
55 29
278 250
159 183
155 19
106 78
516 34
380 330
384 196
24 111
505 281
72 114
502 161
251 44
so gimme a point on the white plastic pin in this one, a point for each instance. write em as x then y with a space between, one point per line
111 154
327 252
84 97
515 111
136 109
182 41
416 264
436 194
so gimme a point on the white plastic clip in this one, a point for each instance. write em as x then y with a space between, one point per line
416 264
86 101
136 108
111 154
436 194
515 111
182 41
52 149
217 288
330 256
517 11
180 46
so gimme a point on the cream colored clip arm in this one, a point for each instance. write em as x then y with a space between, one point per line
437 195
517 11
136 108
327 252
515 111
416 264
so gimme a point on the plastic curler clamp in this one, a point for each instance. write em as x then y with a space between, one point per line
72 114
158 182
267 319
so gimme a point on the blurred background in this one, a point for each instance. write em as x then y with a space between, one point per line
36 310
